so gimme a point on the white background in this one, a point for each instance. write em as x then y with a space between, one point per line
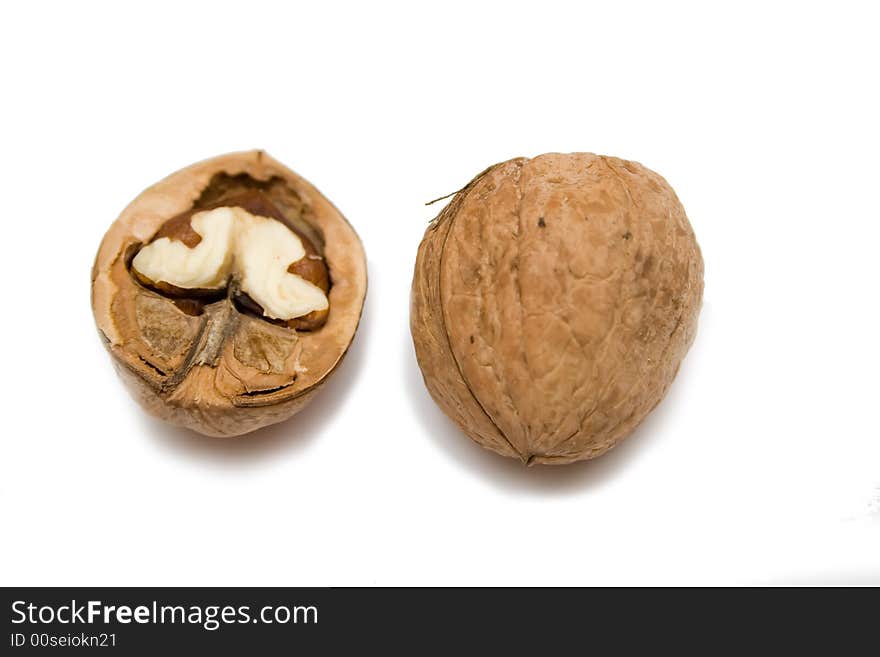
761 466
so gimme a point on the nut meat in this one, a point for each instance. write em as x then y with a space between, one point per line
227 294
553 301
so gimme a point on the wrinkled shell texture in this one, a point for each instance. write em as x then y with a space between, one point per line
553 301
223 372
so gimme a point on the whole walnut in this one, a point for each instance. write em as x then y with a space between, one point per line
552 303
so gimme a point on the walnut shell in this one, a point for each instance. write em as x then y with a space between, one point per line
215 367
552 303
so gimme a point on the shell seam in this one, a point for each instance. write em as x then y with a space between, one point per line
446 332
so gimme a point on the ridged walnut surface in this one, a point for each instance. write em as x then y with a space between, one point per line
552 303
224 372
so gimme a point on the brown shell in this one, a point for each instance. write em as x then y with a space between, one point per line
552 303
216 369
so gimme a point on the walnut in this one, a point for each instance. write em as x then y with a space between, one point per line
552 303
227 294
